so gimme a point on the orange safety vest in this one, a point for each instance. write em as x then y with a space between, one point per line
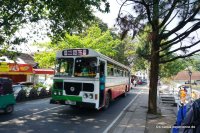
182 94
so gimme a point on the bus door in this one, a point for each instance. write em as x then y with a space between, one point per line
101 81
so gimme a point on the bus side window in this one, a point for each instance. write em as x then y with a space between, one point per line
112 72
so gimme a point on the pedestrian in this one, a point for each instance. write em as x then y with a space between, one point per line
180 117
182 110
182 95
191 121
132 84
135 83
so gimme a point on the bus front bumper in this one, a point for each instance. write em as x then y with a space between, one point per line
76 103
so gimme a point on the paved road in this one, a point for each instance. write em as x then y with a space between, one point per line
39 116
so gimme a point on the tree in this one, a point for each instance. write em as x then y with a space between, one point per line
141 62
93 38
125 51
62 16
171 22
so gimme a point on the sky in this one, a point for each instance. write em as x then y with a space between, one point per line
110 18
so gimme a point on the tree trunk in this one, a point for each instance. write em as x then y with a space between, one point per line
154 68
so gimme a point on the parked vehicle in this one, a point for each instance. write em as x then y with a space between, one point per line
139 82
7 99
23 90
20 93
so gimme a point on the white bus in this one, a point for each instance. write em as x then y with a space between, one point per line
77 79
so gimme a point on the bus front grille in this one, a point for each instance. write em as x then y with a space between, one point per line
88 87
72 88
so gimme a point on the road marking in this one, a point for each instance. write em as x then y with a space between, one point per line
15 119
117 118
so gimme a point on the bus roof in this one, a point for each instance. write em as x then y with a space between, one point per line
85 52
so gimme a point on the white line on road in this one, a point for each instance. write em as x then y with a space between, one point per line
15 119
117 118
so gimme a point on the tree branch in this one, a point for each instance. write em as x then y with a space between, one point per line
180 37
169 13
168 23
182 24
148 12
178 57
185 47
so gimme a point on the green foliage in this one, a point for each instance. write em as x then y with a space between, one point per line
195 62
103 26
142 50
10 54
93 38
126 51
45 59
13 14
38 85
172 68
70 15
197 65
140 64
62 16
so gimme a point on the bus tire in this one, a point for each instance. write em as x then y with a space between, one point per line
107 101
9 109
124 94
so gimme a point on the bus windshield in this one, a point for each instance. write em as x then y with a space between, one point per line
85 67
64 67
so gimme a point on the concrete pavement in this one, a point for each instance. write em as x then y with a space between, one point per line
135 118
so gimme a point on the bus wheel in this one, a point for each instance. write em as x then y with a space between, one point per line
107 100
124 94
9 109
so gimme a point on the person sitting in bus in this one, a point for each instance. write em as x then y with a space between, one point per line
85 71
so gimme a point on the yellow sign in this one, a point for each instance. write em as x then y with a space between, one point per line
4 67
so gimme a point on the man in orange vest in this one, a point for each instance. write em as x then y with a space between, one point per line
182 95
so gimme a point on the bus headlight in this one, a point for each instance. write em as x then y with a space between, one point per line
85 95
91 96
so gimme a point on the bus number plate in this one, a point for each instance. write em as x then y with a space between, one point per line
70 102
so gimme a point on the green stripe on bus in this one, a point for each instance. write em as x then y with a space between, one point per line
58 80
71 98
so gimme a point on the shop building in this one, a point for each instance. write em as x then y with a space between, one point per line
22 69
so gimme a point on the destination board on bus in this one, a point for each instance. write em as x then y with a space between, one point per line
75 52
